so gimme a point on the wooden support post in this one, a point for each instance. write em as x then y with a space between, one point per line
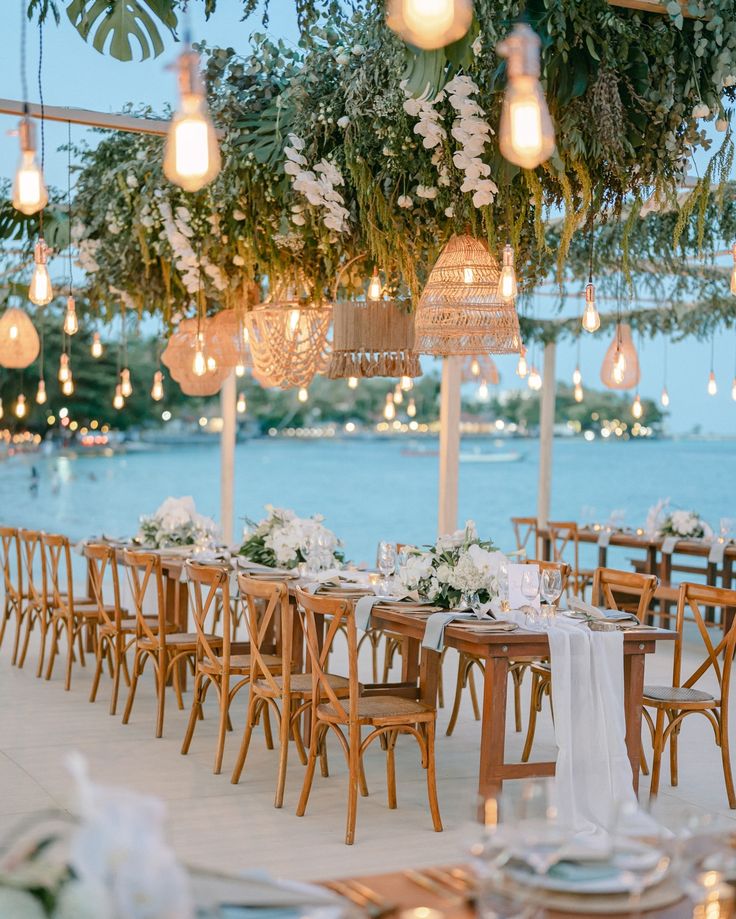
449 445
228 410
546 435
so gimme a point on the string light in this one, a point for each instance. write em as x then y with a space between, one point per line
118 401
64 369
241 404
67 387
303 394
411 409
407 384
192 155
664 398
375 288
535 380
591 320
578 392
389 409
526 135
398 395
429 24
475 367
637 409
352 382
483 391
20 406
522 368
712 385
126 387
199 364
29 188
507 286
157 389
71 324
577 377
41 392
240 370
40 291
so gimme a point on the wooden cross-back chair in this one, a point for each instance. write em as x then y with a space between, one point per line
470 662
166 647
674 703
68 615
116 632
219 661
612 589
13 602
275 681
565 547
384 714
35 611
525 528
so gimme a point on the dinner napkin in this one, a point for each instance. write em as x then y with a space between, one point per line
593 612
434 630
250 567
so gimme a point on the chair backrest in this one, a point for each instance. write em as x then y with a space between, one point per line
524 529
210 586
624 590
337 616
268 612
143 568
101 560
563 540
57 560
12 566
34 568
719 658
562 567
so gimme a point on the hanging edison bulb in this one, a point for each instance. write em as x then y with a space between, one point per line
535 379
507 287
2 412
126 387
398 395
352 382
522 368
118 401
526 136
41 392
637 409
429 24
733 270
71 323
389 409
618 370
591 321
40 291
712 385
157 389
199 364
29 188
211 364
483 391
64 369
411 408
241 404
664 398
303 394
375 288
240 370
67 387
20 407
192 155
578 392
96 348
407 384
475 367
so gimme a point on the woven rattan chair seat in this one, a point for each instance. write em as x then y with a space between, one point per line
178 640
384 709
676 694
301 684
239 663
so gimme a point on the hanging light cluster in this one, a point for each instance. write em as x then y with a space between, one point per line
620 368
522 367
429 24
96 347
577 378
29 187
157 389
40 291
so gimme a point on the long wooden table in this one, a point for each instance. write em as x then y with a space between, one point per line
497 650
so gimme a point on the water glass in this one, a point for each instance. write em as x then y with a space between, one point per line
551 588
386 561
530 589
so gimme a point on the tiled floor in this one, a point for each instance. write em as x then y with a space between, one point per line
215 823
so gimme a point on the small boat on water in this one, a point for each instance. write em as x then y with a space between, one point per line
479 457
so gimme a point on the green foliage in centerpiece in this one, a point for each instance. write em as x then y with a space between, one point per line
282 539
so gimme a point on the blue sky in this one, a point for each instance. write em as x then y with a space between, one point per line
76 75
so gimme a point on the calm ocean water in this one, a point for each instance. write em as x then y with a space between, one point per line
368 490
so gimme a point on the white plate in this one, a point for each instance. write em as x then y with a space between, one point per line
618 882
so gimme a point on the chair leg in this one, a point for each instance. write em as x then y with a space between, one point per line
267 726
250 720
354 764
98 670
117 666
434 805
391 769
161 691
54 647
26 639
473 693
193 714
4 620
535 704
314 742
222 727
176 683
517 675
16 640
459 685
138 663
80 642
70 654
673 752
323 764
657 749
297 733
726 759
284 730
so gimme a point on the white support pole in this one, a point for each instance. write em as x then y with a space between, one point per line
449 445
228 410
546 434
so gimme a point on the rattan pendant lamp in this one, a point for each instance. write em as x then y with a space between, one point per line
480 368
459 311
19 341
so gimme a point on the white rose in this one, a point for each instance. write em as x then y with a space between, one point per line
343 121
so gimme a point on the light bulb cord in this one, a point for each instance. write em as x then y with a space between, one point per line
69 202
23 74
40 98
712 350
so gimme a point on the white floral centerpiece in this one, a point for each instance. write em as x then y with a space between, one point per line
282 538
454 568
112 862
176 523
686 524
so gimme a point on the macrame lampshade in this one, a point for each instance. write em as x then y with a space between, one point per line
373 338
288 340
629 372
480 368
223 339
459 311
178 357
19 342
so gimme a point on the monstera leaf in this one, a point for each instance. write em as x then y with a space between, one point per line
120 24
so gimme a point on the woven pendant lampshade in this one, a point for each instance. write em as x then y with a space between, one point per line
19 342
178 357
288 339
373 338
223 339
480 368
629 372
459 311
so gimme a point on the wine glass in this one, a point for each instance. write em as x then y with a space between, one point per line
551 588
324 549
530 589
386 562
311 561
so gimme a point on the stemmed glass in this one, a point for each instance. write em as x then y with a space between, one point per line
551 589
530 589
386 562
